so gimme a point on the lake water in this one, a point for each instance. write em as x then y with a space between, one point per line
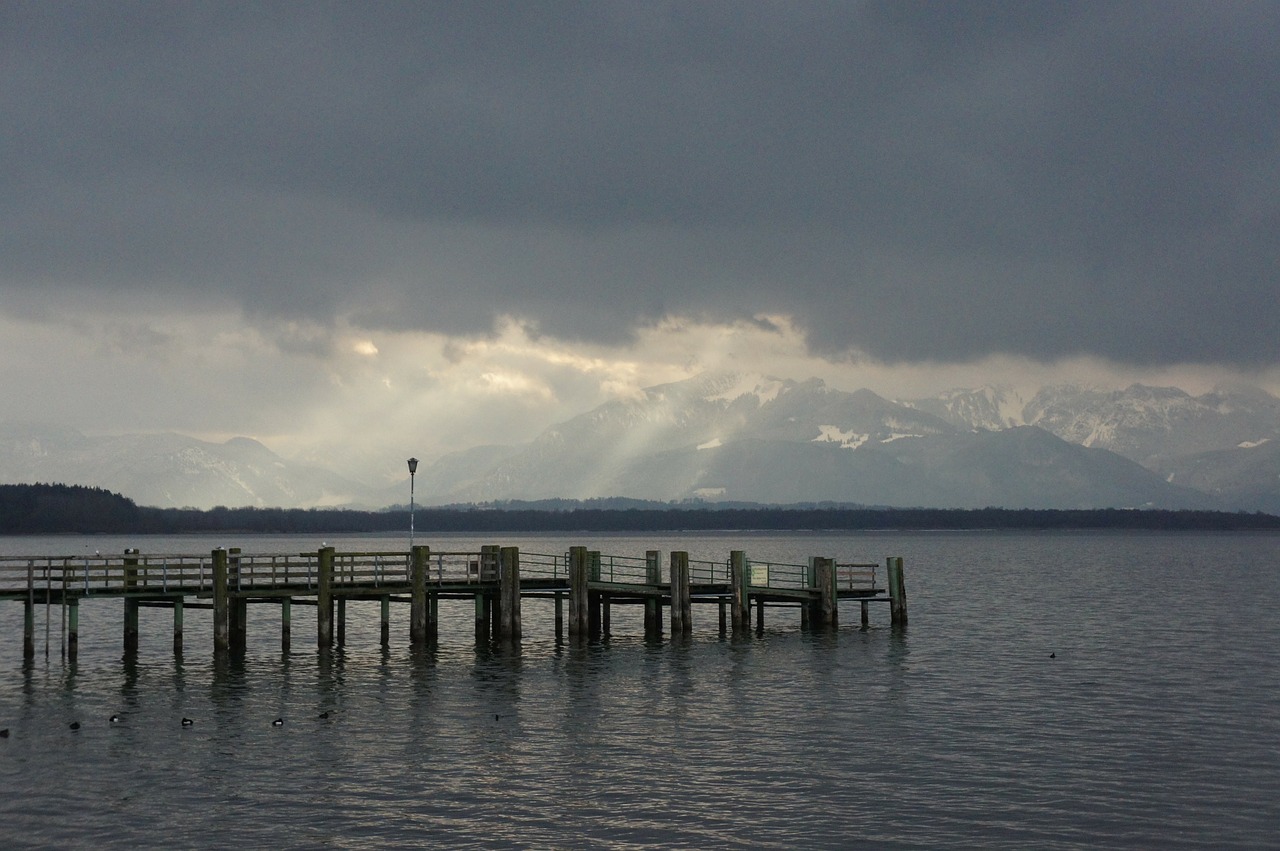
1052 691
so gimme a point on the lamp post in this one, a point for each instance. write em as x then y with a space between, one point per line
413 468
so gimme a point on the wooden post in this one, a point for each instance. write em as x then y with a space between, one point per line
653 603
433 618
28 629
482 617
825 578
130 603
760 615
418 630
739 574
324 598
286 623
342 621
559 616
681 603
594 623
579 574
238 606
385 636
897 591
866 616
221 627
509 592
73 628
177 626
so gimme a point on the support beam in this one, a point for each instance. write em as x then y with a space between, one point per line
579 573
221 607
324 598
509 626
653 604
825 612
419 632
130 603
681 603
897 591
73 628
342 621
739 573
286 624
385 632
178 605
28 629
595 625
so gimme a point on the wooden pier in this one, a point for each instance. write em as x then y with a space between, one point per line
495 579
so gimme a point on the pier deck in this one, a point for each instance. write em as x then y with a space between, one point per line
496 578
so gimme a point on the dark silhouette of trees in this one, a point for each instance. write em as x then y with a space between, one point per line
53 508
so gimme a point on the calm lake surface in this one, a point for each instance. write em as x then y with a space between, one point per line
1155 724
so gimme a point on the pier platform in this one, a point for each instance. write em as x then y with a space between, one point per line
583 583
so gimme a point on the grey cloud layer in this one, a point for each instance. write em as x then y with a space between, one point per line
916 180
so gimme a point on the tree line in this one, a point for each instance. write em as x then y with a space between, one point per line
58 508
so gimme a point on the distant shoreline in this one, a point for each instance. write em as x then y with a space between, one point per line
54 509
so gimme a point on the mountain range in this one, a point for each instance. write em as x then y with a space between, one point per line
743 438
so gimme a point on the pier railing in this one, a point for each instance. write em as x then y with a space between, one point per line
544 565
856 577
767 574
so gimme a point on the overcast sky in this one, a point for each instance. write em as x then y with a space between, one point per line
387 229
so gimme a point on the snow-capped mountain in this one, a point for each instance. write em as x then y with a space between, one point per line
750 438
758 439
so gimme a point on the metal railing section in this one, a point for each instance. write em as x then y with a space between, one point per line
772 574
856 577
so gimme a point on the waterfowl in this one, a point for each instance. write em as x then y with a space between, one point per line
187 722
279 722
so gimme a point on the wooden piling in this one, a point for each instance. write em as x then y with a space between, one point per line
579 574
594 621
653 603
866 615
483 614
177 625
238 606
73 628
385 623
342 621
681 603
418 629
897 591
759 615
221 626
559 616
130 603
324 598
740 604
509 627
286 623
826 612
28 629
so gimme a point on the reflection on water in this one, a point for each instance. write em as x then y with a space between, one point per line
1147 727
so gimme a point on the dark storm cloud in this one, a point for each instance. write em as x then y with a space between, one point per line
916 180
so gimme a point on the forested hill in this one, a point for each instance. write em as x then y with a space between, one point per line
52 509
45 509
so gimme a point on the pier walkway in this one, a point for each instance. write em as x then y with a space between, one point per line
495 578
